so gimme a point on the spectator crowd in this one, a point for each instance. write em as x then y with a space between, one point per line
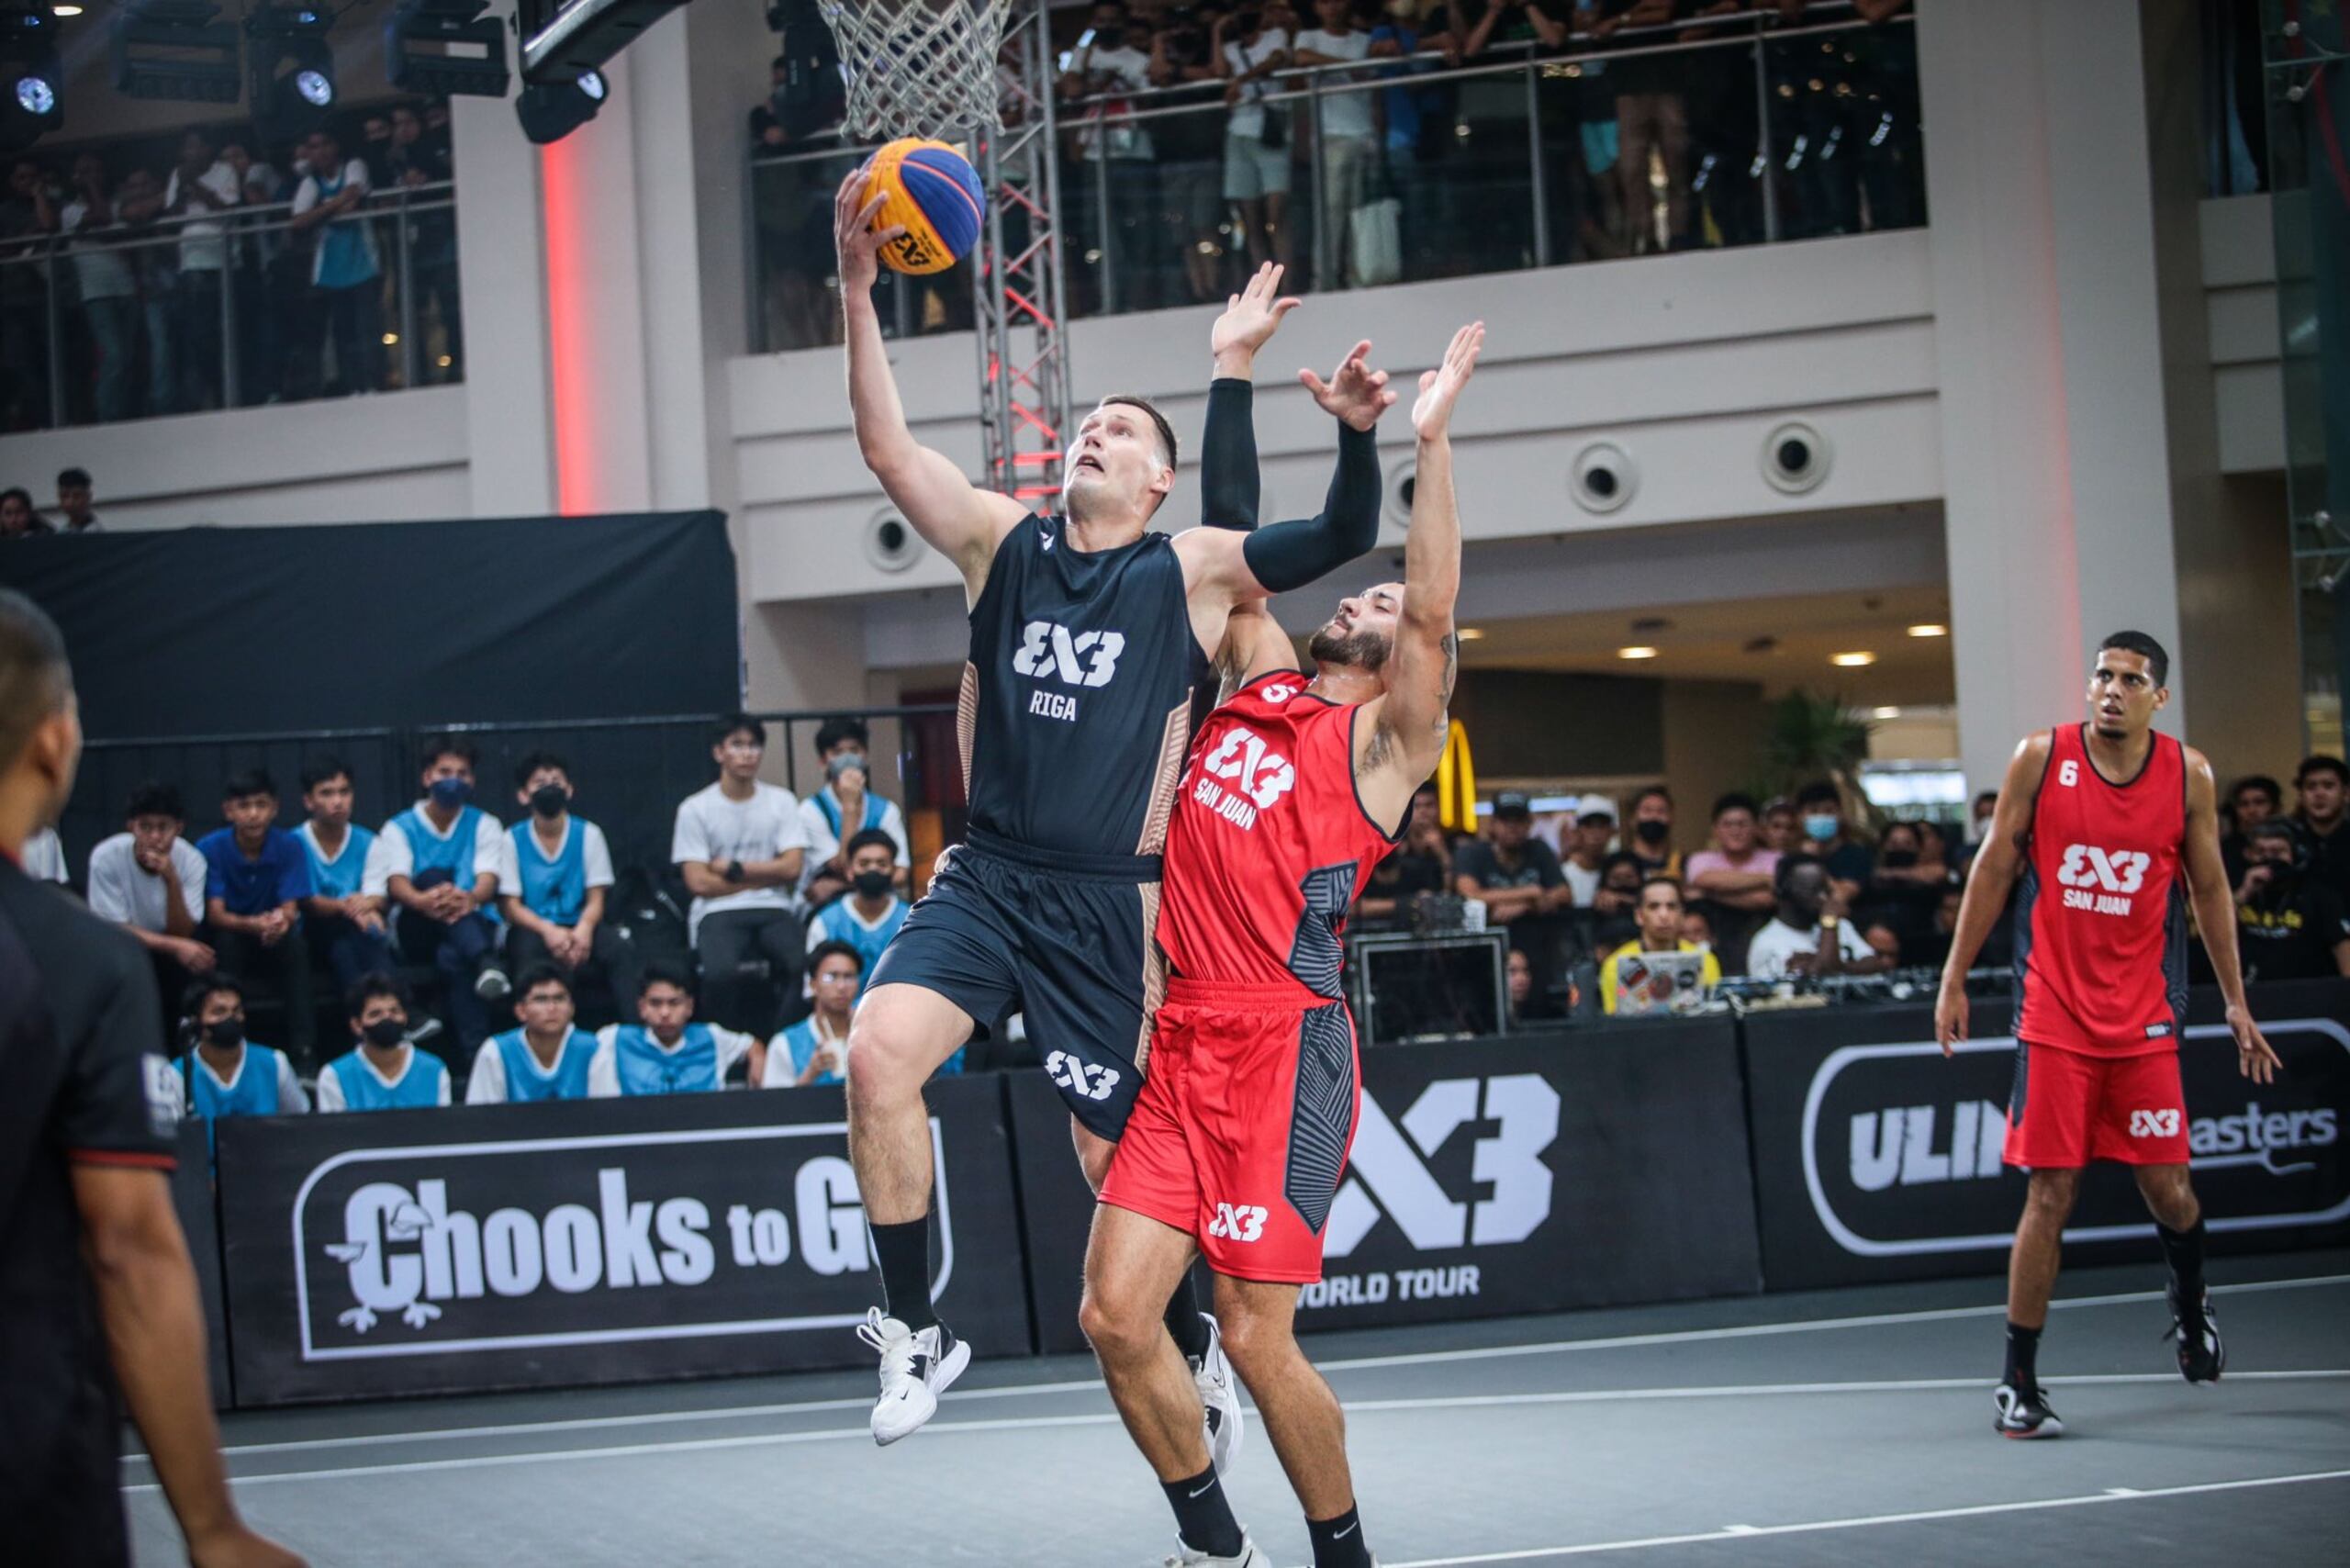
1364 141
157 268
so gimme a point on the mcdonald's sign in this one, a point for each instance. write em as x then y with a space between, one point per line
1456 782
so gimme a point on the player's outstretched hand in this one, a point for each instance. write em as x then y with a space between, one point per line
1252 316
1440 387
238 1547
853 235
1355 393
2255 1057
1950 1017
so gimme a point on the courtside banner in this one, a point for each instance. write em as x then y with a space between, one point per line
1877 1159
504 1245
1528 1173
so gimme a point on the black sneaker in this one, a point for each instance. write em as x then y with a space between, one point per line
2025 1413
2201 1357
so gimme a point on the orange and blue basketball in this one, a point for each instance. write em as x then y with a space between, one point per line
934 191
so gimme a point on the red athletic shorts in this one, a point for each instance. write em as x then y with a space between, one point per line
2067 1108
1242 1127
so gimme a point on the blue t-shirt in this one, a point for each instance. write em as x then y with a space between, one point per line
526 1080
255 1092
421 1084
281 875
554 889
838 922
643 1067
343 876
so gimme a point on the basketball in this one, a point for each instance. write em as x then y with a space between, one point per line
931 190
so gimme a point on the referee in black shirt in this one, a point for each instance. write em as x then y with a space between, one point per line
96 1291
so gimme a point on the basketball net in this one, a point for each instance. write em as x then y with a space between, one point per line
918 67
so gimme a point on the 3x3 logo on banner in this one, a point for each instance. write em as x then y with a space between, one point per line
1901 1149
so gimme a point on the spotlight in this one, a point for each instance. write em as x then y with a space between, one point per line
292 67
445 46
174 49
32 82
552 110
564 37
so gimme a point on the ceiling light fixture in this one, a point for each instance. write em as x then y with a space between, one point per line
1928 629
1470 633
1636 653
1851 660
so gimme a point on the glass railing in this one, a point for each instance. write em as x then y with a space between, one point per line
1735 130
182 315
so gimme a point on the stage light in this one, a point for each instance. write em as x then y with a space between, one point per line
563 38
34 83
446 46
292 68
174 49
552 110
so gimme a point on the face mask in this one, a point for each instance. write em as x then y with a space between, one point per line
872 884
1821 826
384 1033
1900 859
549 800
227 1034
1654 832
843 764
451 793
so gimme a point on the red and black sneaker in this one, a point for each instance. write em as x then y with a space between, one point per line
2025 1413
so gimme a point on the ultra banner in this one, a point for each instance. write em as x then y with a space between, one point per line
1876 1159
413 1252
1530 1173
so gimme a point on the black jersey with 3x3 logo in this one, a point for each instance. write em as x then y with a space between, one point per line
1075 704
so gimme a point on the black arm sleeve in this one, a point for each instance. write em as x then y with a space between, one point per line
1228 476
1290 555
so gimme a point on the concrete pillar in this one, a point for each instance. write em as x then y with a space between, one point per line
501 270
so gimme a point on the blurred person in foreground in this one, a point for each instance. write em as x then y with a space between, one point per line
98 1304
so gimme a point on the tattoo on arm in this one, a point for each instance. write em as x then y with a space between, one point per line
1452 646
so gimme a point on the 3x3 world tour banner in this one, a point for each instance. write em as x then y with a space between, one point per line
1876 1159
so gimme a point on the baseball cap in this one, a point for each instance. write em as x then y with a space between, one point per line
1512 803
1595 807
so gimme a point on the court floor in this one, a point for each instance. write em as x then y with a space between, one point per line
1838 1428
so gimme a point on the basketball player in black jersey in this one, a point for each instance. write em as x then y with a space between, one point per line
1089 640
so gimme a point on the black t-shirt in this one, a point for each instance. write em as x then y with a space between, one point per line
2292 938
1537 865
79 1026
2329 858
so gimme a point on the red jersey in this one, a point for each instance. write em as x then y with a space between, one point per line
1270 842
2101 912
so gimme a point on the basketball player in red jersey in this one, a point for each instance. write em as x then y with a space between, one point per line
1297 786
2098 821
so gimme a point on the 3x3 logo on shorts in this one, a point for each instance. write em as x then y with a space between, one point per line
1078 1078
2154 1123
1237 1222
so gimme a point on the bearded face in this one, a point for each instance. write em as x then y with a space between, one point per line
1362 647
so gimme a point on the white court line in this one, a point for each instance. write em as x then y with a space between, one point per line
1105 1417
1750 1532
1417 1357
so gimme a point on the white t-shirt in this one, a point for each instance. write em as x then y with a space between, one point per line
203 248
822 846
393 856
123 891
712 827
291 1100
330 1087
595 854
1583 884
1344 114
45 857
1129 72
1248 115
101 274
604 1067
1767 954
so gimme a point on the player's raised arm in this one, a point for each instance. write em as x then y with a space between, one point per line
954 516
1989 881
2215 917
1408 732
1229 482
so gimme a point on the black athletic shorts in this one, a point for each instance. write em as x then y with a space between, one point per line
1066 941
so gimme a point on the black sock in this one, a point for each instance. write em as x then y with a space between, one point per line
2023 1356
1183 1319
2183 1250
1337 1543
903 1252
1203 1517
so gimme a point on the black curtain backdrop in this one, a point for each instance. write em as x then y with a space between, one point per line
237 630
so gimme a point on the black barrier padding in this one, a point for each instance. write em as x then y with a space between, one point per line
1055 1210
1877 1160
608 1241
481 619
1535 1173
192 1197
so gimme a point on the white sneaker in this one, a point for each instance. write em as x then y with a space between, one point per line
916 1368
1220 1397
1186 1558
